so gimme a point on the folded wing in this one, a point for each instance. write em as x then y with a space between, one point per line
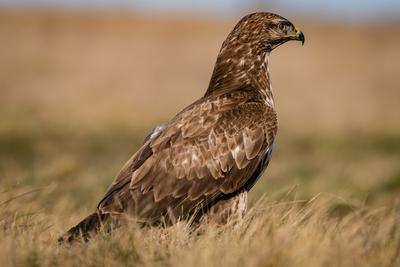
210 150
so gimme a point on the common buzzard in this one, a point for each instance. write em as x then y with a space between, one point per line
201 164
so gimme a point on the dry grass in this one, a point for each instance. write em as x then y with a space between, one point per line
53 176
79 93
324 231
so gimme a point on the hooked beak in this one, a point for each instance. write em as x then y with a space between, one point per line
299 36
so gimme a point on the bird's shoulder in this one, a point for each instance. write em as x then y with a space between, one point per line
234 111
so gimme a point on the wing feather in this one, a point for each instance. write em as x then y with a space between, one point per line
210 149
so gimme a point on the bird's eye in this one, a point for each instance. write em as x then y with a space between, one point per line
282 27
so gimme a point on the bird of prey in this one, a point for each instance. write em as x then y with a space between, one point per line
200 165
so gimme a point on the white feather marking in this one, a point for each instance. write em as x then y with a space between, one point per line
266 59
185 162
156 131
194 157
269 101
235 152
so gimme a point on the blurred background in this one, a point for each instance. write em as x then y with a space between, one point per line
82 82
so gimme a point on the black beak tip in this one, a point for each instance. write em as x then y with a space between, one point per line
301 38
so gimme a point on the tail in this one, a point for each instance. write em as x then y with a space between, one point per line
85 229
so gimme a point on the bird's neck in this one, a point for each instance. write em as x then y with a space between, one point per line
238 68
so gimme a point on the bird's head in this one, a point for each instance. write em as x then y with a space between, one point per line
264 31
243 55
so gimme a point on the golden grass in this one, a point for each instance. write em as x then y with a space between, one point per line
315 210
79 93
324 231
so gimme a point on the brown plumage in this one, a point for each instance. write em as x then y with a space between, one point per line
201 164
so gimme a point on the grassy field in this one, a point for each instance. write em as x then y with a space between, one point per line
79 92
